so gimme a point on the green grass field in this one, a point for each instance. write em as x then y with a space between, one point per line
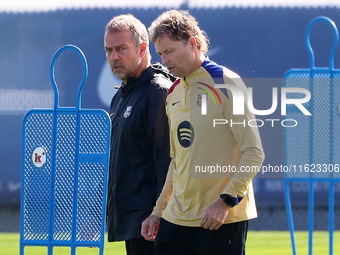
258 243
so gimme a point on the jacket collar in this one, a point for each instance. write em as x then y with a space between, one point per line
133 82
146 75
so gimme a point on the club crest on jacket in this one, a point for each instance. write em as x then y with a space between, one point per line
127 111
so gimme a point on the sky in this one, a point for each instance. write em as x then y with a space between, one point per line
53 5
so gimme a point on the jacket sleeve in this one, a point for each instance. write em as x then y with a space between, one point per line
158 132
164 197
248 138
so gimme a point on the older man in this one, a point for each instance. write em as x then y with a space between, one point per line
139 139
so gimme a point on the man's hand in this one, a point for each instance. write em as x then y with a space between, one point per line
215 215
150 228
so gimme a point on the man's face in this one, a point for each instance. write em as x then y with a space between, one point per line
122 54
177 56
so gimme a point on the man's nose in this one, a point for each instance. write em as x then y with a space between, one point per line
114 55
165 60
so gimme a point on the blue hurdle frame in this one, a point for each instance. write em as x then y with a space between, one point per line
90 143
311 178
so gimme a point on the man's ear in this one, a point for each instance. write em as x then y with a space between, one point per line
193 42
143 49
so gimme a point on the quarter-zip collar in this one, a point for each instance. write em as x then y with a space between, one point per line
187 78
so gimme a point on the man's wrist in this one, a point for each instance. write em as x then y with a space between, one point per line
227 199
156 215
230 200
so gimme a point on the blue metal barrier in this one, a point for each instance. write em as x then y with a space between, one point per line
65 158
313 145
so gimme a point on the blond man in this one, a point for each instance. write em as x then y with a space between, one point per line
198 213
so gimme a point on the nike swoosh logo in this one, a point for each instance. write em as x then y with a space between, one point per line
175 103
14 186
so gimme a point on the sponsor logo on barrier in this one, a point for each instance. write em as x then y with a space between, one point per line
39 157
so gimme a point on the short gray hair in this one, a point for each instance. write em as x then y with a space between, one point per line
131 23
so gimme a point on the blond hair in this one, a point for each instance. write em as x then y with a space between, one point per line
179 25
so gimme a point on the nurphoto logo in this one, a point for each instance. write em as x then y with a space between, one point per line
239 104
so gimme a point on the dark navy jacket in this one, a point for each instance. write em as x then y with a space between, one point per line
139 151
